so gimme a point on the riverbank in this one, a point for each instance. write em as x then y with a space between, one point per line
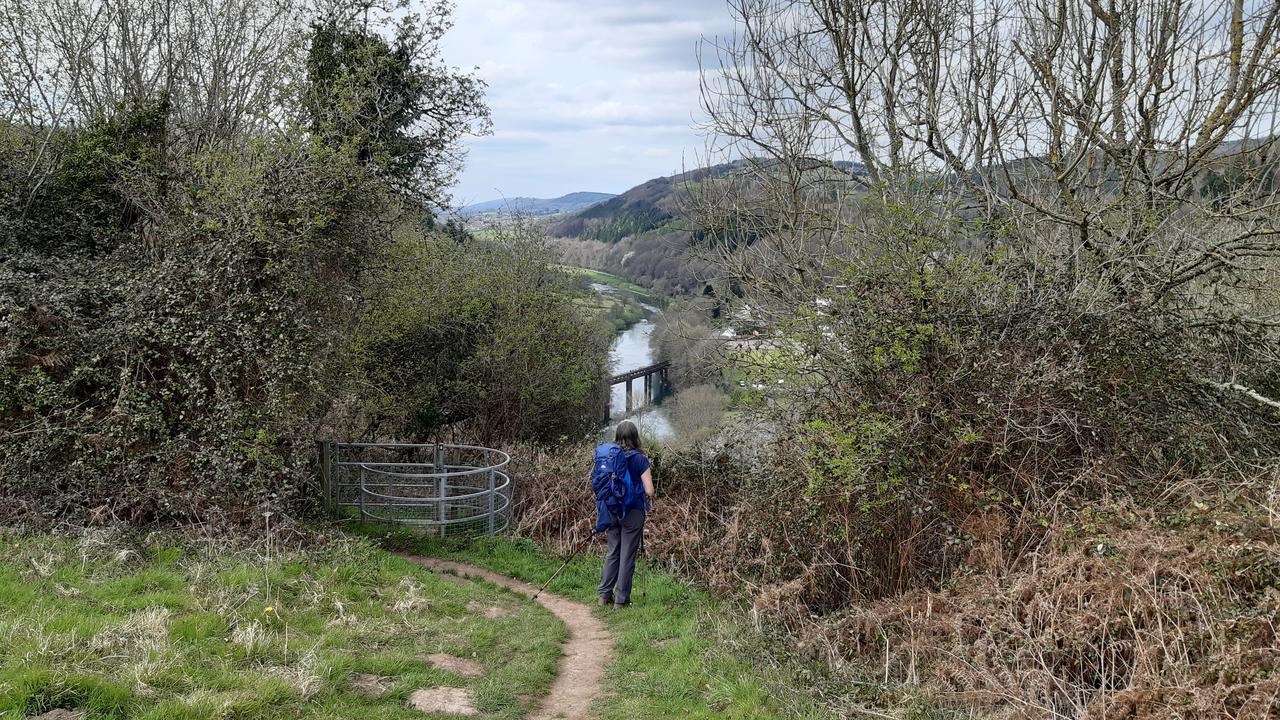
609 299
614 281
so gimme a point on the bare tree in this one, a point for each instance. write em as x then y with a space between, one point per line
1128 145
218 64
219 72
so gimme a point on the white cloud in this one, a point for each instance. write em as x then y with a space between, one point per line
586 94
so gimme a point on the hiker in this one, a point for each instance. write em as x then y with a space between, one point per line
627 535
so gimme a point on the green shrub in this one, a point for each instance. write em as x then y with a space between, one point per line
483 331
191 296
160 369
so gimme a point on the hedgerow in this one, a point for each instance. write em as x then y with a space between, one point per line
198 283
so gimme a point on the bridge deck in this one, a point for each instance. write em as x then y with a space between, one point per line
639 373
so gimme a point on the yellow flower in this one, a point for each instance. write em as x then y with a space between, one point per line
269 610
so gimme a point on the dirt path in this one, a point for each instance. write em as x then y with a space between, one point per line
585 653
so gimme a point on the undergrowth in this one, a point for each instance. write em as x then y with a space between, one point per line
1156 609
1120 613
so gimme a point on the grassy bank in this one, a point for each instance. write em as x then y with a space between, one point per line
126 627
604 278
618 310
122 626
679 653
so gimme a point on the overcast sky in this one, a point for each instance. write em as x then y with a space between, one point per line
594 95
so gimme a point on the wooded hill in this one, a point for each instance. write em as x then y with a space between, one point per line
643 234
537 206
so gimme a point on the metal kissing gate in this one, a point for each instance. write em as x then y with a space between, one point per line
456 489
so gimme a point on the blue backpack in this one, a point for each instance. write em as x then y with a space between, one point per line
612 484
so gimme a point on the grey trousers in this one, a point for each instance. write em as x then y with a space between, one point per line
620 560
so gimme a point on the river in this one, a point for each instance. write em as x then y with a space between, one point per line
633 349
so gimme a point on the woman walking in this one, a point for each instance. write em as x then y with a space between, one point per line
626 537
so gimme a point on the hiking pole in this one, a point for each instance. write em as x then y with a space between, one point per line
563 565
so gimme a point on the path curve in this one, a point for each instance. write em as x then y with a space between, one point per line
584 654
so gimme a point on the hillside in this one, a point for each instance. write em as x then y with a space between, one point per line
641 234
649 207
538 206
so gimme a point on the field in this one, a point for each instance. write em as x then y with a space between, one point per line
604 278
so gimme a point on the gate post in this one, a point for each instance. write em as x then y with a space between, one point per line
442 487
491 502
338 497
362 471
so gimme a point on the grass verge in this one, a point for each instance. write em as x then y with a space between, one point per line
123 626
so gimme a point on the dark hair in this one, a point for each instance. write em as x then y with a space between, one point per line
627 435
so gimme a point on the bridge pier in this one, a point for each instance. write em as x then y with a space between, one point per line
653 389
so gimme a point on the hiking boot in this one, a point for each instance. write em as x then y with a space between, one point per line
621 605
606 600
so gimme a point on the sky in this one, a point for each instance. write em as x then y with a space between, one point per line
595 95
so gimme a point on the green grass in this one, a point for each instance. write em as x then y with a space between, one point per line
140 628
678 653
604 278
131 627
617 314
616 310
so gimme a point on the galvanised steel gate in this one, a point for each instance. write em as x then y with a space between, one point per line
456 489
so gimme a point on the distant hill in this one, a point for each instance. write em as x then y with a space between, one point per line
649 207
538 206
640 234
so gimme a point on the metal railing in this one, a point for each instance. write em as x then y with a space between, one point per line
455 489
